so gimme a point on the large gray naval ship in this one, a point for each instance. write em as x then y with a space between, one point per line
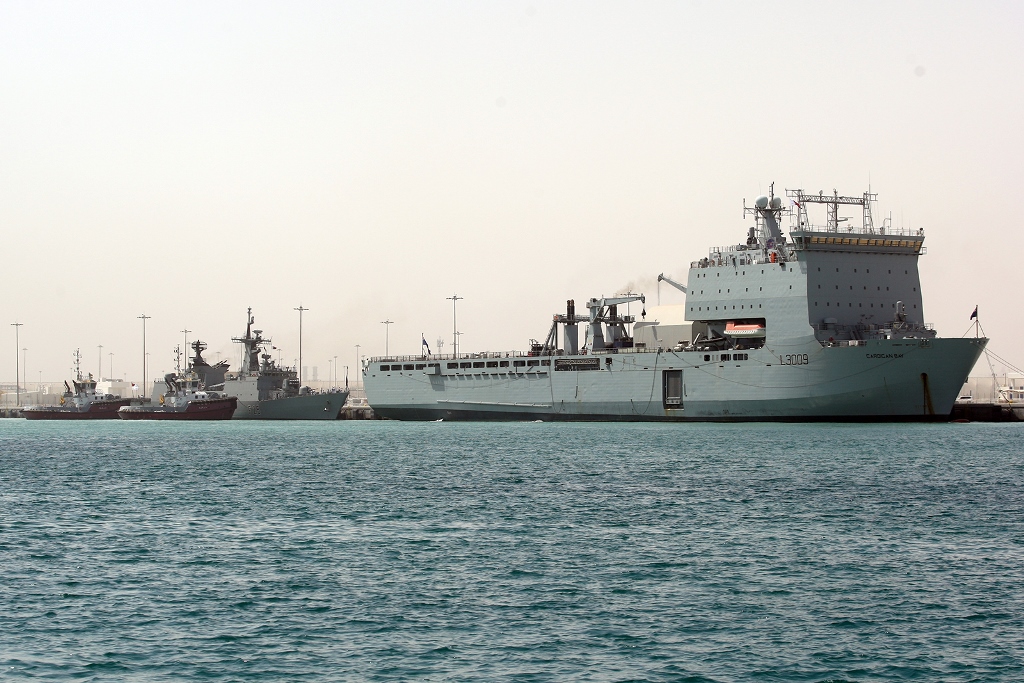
267 391
827 324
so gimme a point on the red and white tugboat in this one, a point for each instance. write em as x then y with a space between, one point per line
186 399
81 404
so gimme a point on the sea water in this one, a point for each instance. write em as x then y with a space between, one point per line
241 551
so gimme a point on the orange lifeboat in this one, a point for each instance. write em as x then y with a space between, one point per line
744 330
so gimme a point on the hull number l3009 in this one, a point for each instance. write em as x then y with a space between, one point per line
793 359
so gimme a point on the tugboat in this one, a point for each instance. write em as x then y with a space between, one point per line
186 399
268 391
84 403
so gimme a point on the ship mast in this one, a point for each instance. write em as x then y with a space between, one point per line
252 343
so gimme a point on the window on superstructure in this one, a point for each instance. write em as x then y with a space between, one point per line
385 368
545 362
492 363
519 363
466 366
504 364
479 364
453 366
421 366
531 363
408 366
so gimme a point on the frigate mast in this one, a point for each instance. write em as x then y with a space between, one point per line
252 344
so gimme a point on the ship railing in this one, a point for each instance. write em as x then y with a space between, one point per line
854 230
431 357
547 353
717 259
859 334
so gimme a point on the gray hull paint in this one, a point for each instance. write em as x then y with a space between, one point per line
907 379
309 407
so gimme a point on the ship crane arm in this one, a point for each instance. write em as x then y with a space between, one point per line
663 278
615 300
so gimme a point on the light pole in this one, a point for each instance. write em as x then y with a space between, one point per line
359 361
330 371
17 377
99 377
335 372
387 328
24 367
300 309
455 298
110 365
144 318
185 332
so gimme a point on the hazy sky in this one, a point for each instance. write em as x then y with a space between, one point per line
366 160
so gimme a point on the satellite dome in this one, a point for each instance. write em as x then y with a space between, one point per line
761 202
776 202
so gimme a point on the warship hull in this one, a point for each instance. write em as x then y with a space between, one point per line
825 324
905 379
308 407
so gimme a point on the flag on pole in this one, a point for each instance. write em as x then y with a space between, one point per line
424 340
975 314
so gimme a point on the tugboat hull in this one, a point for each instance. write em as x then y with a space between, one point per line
200 409
97 410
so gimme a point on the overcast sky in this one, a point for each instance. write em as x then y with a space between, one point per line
367 160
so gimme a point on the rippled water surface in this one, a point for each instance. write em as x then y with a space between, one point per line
526 552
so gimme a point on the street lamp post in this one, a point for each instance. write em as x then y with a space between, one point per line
99 376
185 332
300 309
144 318
24 367
110 365
330 371
387 328
17 377
455 298
335 373
359 361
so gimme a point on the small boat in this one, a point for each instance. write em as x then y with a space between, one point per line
186 399
83 403
733 329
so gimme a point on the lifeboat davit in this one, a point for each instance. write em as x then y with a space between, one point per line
744 329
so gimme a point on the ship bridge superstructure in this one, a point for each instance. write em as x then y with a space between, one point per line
837 281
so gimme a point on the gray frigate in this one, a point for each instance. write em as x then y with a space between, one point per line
826 323
269 391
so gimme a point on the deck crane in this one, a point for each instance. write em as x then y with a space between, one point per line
604 313
672 282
